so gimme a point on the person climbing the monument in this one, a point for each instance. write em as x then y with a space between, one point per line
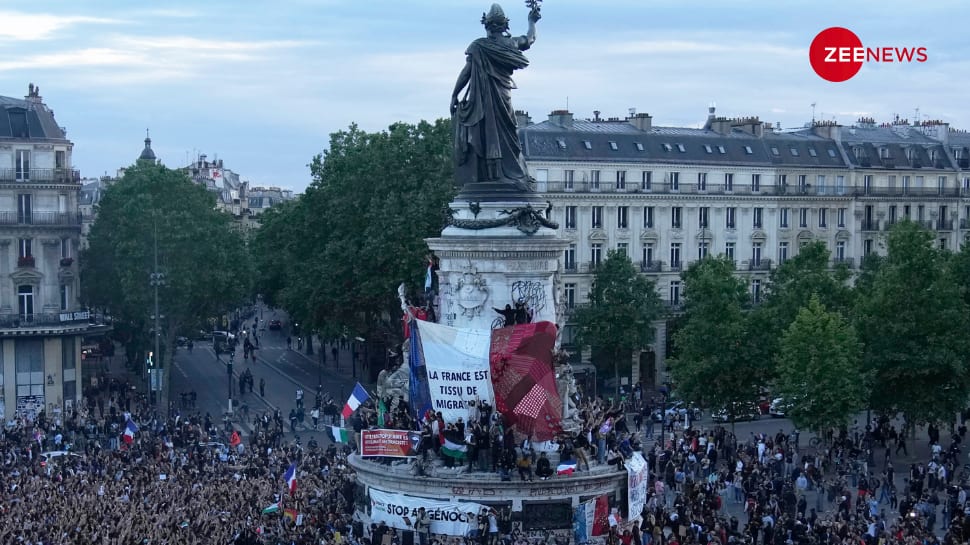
508 314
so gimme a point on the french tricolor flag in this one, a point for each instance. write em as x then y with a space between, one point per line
566 467
130 430
290 478
357 398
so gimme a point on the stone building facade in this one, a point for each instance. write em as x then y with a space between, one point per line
739 187
41 323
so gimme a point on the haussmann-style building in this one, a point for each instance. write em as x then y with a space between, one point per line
41 323
667 196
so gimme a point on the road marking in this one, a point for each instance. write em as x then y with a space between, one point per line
179 367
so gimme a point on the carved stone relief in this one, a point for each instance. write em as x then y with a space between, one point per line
471 292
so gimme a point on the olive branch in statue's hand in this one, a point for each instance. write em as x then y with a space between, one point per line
534 6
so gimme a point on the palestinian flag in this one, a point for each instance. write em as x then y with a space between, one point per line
340 435
381 411
272 508
455 450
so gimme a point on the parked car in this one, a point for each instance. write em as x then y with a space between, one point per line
223 342
676 410
275 325
742 412
779 407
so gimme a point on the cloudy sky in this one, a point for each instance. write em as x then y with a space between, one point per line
263 84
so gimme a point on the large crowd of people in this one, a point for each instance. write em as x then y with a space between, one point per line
183 479
176 481
708 486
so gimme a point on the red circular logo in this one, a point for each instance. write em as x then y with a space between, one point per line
832 54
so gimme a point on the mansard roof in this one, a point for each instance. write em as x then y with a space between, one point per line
620 141
20 119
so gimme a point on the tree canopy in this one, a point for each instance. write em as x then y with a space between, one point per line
334 258
202 257
913 323
623 304
819 369
712 367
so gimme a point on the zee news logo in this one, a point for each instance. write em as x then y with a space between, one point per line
837 54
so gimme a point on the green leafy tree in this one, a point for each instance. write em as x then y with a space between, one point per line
820 369
712 368
790 288
914 324
623 304
334 259
200 254
959 269
270 248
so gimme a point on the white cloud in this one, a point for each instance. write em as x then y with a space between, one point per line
188 43
76 59
42 26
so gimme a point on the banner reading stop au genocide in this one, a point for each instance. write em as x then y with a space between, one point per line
449 518
389 443
458 368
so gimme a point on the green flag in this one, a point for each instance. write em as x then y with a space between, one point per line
339 435
381 409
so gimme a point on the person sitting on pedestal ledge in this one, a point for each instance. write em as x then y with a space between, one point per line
543 467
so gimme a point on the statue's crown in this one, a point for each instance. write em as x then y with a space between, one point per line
494 15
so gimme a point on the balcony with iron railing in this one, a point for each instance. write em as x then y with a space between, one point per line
947 192
944 225
847 261
47 219
870 225
651 266
674 306
964 224
676 265
926 224
50 319
40 175
759 265
663 188
570 267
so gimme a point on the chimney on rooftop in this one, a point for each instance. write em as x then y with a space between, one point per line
750 125
641 121
596 115
33 94
522 119
827 129
562 118
710 117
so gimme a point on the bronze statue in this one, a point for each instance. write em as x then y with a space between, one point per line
488 157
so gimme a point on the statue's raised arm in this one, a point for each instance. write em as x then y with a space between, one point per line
534 16
488 157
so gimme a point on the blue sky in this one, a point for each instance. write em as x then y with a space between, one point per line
262 85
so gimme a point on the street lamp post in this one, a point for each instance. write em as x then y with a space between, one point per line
157 279
229 371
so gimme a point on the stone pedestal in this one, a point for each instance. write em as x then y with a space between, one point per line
488 268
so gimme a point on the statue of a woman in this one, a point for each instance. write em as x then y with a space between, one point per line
487 149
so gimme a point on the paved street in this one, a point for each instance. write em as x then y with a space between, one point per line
283 370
